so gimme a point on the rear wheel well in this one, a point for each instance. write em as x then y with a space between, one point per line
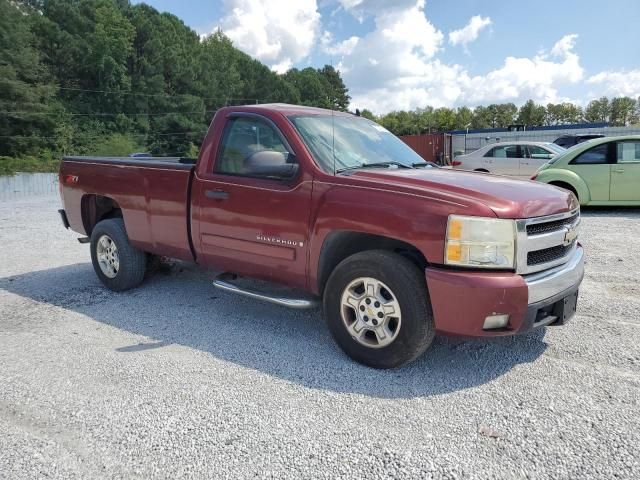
96 208
342 244
566 186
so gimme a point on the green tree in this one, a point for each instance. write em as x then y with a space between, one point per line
464 118
445 119
506 114
622 111
367 114
598 110
481 117
531 114
338 92
28 112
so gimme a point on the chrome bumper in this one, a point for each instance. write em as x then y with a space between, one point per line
546 284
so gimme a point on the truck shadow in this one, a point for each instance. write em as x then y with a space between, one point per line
181 307
621 212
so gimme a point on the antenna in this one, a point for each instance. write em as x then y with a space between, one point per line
333 141
333 129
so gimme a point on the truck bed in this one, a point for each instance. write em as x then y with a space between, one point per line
151 192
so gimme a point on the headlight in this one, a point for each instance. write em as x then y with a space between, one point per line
480 242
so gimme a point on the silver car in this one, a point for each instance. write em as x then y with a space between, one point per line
516 159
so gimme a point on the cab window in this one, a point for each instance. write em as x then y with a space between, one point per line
251 147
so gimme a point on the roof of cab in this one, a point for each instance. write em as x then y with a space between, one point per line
288 109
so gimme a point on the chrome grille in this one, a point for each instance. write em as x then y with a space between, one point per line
553 226
545 242
549 254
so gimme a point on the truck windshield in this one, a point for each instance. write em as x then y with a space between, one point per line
346 143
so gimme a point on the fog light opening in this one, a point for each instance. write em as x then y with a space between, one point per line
496 321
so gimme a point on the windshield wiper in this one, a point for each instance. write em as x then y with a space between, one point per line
424 164
374 165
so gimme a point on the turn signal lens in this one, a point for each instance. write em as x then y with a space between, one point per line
455 229
454 252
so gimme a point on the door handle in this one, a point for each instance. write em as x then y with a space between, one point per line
216 194
619 170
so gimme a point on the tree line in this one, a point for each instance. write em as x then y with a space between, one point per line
618 111
108 77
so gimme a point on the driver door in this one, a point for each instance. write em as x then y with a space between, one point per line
251 221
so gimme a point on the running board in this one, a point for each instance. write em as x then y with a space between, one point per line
298 303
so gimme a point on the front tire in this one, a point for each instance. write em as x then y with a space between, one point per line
377 308
118 265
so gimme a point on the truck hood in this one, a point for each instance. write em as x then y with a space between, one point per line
506 197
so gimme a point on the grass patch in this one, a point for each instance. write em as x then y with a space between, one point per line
9 165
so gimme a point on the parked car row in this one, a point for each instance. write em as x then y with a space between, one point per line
517 159
568 141
598 170
602 171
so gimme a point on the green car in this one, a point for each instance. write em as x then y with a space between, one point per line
602 171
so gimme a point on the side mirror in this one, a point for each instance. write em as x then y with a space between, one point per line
271 164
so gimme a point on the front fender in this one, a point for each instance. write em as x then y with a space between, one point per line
418 221
558 175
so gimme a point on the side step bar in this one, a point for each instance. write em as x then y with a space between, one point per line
222 282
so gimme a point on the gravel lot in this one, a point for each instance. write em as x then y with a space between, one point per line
177 379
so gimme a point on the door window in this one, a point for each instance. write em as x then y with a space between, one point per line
509 151
593 156
628 152
251 147
538 152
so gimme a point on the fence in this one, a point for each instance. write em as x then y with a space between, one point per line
23 185
473 141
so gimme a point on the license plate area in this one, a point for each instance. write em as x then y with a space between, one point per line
557 313
565 308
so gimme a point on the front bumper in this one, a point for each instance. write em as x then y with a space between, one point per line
461 300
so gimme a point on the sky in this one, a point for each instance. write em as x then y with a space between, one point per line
407 54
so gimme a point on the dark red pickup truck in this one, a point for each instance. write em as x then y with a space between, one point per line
335 205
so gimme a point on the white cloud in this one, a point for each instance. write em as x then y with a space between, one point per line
615 84
565 46
402 41
275 32
470 32
340 48
396 66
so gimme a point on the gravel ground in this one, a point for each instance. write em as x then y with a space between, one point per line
177 379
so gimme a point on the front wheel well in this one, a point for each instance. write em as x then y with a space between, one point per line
342 244
95 208
566 186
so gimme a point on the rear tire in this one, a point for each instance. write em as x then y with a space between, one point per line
118 265
377 309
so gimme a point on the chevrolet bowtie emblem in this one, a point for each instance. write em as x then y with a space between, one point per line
570 235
